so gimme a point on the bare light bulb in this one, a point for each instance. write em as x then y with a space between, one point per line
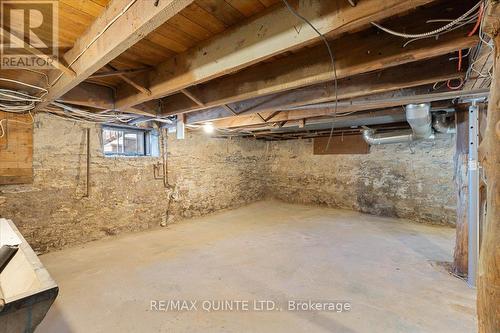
208 128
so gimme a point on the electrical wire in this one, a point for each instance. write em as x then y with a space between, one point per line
437 35
433 32
6 120
66 111
478 22
463 56
110 23
438 86
45 76
470 34
481 33
2 128
19 102
473 15
24 84
467 18
460 85
15 101
478 55
332 59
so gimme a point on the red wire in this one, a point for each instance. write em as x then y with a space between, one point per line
459 60
470 34
479 18
448 84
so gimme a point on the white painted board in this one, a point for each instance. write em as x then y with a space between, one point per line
7 235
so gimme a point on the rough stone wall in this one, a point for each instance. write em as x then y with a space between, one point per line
206 175
393 180
210 174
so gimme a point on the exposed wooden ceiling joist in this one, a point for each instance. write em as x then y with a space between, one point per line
368 118
100 97
378 101
116 72
259 39
115 36
129 81
91 95
312 66
410 75
355 54
293 71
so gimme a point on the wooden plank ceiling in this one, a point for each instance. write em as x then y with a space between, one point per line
197 22
241 63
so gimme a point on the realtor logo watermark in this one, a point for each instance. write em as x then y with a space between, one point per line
29 33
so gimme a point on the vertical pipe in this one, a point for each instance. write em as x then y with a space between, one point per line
181 120
473 209
87 177
165 156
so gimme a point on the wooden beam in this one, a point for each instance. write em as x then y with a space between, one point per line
410 75
312 66
265 36
87 56
489 261
272 115
100 97
461 184
260 116
368 118
149 108
130 81
379 101
230 109
362 118
192 97
119 72
91 95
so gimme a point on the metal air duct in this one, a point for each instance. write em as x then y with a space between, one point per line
442 125
386 138
420 120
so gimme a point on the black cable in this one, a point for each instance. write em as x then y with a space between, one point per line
332 59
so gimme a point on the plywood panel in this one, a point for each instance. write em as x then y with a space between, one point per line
16 148
342 144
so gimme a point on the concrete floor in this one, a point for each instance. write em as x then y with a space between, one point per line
386 269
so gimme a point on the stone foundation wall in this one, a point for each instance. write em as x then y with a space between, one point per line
210 174
207 175
393 180
52 213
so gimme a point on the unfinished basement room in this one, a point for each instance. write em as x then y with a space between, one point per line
250 166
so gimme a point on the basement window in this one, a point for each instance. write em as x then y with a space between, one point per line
124 141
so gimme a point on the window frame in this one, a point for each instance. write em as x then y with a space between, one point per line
147 143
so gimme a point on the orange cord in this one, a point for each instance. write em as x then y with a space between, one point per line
470 34
459 60
478 23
